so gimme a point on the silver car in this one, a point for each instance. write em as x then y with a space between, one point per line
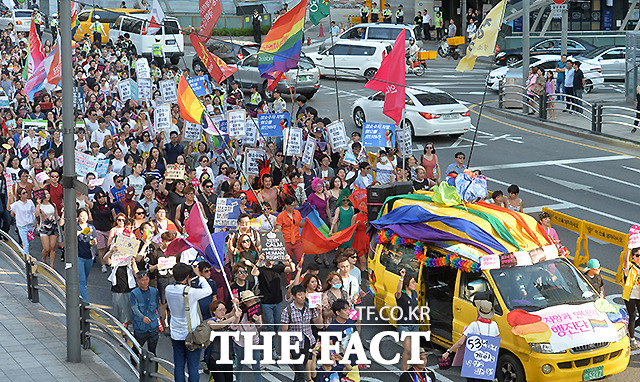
20 18
610 58
304 79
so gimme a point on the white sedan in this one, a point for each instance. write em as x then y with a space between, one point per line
429 111
20 18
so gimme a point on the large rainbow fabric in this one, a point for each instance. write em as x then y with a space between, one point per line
74 24
280 50
191 108
481 226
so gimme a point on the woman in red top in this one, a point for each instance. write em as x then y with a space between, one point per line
429 160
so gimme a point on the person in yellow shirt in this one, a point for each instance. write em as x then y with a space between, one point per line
631 291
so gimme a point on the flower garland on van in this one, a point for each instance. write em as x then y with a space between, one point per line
454 261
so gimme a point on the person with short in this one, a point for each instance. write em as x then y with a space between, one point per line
181 325
631 290
592 274
407 302
24 211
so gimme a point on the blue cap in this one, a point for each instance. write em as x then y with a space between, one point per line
592 264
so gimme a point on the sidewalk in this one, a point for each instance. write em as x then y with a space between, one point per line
33 340
580 125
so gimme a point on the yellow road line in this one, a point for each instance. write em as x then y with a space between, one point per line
472 108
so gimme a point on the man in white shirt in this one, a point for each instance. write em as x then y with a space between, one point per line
180 325
101 133
426 25
81 140
349 282
136 180
31 139
91 121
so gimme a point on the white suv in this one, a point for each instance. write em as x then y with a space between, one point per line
374 32
170 35
359 59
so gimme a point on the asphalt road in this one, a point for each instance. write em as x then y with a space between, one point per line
582 178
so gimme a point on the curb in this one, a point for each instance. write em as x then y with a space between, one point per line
568 129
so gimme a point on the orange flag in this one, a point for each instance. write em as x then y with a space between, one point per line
315 243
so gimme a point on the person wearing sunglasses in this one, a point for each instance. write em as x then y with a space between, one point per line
55 190
24 211
631 286
458 166
429 160
266 220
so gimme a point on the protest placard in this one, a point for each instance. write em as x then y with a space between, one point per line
378 134
200 85
85 163
236 123
102 167
350 158
166 262
315 299
174 171
97 182
405 143
191 131
120 259
273 246
38 194
124 90
251 126
272 124
9 180
337 135
227 212
134 89
162 116
168 91
127 244
144 89
252 158
309 149
480 357
142 68
292 141
42 177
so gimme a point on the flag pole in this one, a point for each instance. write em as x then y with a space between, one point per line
404 138
215 250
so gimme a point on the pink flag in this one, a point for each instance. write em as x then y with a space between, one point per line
390 79
210 11
53 66
35 51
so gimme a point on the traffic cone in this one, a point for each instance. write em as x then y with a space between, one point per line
308 41
321 31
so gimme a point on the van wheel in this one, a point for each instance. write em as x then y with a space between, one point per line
175 60
197 66
369 73
268 94
509 369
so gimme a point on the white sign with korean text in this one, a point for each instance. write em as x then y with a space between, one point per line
309 149
124 90
251 126
162 116
405 143
236 124
252 157
292 141
169 91
144 89
192 131
337 135
142 68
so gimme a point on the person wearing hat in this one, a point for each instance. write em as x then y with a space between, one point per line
399 15
54 26
419 372
481 326
279 104
592 273
631 286
98 31
236 98
255 99
250 321
364 12
386 14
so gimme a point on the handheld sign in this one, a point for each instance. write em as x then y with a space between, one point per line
142 68
102 167
272 124
337 135
119 259
85 163
174 171
144 89
236 123
378 134
227 212
480 357
192 131
251 127
127 244
169 91
405 143
162 116
315 299
273 246
166 262
309 149
38 194
124 90
42 177
252 157
292 142
134 89
200 85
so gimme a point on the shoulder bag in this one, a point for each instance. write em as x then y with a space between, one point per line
200 337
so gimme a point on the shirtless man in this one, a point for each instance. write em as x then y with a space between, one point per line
269 194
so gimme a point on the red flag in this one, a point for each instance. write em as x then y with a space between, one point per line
215 66
391 80
273 83
315 243
210 11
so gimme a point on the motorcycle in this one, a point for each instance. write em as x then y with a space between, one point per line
417 67
446 50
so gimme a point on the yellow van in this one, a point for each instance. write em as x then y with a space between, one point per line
455 252
106 17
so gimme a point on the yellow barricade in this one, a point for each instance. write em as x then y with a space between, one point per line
585 230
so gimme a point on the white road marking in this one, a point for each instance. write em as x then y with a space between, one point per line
554 162
631 168
558 200
331 90
507 137
584 187
599 175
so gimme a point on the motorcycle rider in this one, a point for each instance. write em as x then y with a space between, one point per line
412 52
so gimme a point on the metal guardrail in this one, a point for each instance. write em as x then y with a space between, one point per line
598 114
96 323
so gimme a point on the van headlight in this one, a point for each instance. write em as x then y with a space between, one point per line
622 332
544 348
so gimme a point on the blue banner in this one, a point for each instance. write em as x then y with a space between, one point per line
378 134
272 124
480 357
200 85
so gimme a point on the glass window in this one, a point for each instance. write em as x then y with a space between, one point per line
614 54
394 258
353 33
23 13
428 99
105 16
378 96
362 50
131 25
339 50
547 65
305 64
251 61
171 27
542 285
84 16
440 285
381 34
408 100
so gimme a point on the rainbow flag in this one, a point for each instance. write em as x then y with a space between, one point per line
74 24
280 50
191 108
595 323
219 138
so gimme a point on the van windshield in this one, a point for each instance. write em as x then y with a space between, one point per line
539 286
